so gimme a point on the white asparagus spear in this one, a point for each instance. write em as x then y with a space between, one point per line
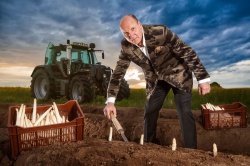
22 116
63 119
21 108
142 139
218 108
47 121
34 111
53 118
174 145
50 119
17 117
214 150
214 108
42 116
58 117
29 122
211 107
42 122
37 116
110 133
26 121
208 106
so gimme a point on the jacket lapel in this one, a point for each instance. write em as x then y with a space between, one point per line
138 52
150 42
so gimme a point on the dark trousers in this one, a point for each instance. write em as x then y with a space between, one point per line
183 106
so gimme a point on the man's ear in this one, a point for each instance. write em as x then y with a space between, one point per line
139 23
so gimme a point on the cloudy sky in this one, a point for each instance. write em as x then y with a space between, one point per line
218 30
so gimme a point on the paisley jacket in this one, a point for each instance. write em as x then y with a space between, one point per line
170 59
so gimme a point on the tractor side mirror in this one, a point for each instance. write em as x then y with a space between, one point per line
102 55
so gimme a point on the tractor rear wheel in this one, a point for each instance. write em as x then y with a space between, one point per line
124 91
81 89
42 87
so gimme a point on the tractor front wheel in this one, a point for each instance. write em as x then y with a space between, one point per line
81 89
42 86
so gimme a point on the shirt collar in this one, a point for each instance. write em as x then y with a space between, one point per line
143 40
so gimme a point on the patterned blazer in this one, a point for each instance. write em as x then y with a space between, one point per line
171 60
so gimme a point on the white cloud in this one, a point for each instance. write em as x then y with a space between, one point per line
234 75
133 74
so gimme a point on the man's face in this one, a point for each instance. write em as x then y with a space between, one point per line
131 30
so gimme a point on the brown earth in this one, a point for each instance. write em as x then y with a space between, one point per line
95 149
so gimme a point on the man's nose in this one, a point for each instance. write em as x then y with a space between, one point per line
131 35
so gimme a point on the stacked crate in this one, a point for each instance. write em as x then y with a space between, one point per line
224 116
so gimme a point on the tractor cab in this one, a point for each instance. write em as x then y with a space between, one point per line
72 58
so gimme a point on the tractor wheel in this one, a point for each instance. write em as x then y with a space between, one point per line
42 87
124 91
81 89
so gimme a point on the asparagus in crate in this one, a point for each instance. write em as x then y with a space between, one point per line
219 117
50 116
42 116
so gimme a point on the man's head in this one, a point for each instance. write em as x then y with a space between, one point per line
131 29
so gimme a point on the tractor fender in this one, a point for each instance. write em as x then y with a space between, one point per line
46 68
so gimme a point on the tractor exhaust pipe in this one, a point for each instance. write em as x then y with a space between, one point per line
69 49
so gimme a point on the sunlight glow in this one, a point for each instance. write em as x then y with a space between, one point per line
16 71
133 74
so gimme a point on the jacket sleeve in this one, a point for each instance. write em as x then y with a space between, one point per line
118 74
185 52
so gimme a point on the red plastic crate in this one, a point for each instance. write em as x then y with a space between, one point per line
233 115
31 137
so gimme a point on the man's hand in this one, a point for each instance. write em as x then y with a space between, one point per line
204 88
109 107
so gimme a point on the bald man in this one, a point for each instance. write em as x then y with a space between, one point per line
167 63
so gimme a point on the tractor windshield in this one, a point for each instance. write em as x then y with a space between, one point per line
49 54
95 61
85 57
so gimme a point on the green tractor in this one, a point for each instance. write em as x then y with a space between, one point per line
72 70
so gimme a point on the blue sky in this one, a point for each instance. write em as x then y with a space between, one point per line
218 30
